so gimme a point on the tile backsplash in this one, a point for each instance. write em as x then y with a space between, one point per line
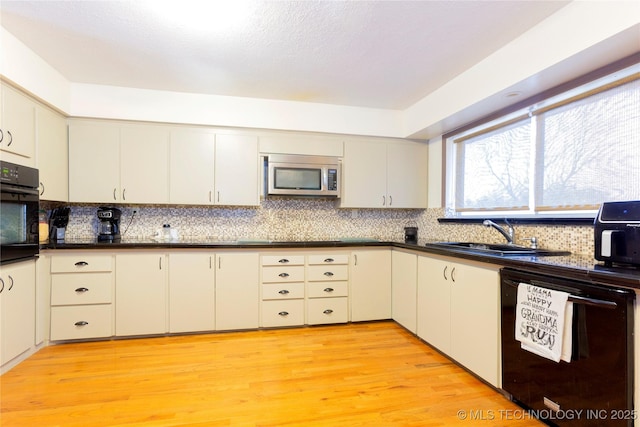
313 219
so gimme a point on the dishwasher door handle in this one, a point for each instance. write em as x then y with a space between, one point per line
573 298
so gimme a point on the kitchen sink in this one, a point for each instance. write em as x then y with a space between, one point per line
495 249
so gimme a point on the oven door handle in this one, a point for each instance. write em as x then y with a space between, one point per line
575 298
16 189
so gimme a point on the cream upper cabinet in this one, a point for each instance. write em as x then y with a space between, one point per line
459 312
237 170
191 159
17 127
237 290
111 162
378 174
141 293
404 282
94 162
53 155
370 284
213 169
144 164
191 291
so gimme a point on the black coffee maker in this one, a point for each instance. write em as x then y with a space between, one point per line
109 226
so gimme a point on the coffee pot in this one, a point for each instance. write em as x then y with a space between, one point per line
109 226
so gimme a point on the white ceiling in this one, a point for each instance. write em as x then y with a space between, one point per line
380 54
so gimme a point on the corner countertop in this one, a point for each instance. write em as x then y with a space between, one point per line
577 267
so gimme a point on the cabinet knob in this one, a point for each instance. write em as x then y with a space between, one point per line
283 313
328 311
81 323
283 274
328 289
283 261
283 292
82 290
328 274
329 260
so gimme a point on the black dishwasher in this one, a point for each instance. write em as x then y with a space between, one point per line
596 387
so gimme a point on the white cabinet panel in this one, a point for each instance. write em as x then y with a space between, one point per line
191 171
237 170
141 293
53 155
191 291
17 127
371 285
237 290
404 280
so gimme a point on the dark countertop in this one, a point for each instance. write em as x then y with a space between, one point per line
578 267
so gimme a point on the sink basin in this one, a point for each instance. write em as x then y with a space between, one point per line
495 249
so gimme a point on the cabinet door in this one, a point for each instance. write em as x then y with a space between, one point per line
53 155
141 293
404 279
144 164
18 126
191 176
237 291
364 175
371 285
94 162
407 175
237 170
191 292
434 302
17 309
475 320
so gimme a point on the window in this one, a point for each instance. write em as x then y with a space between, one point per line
564 155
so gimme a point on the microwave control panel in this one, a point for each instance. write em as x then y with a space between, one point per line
332 185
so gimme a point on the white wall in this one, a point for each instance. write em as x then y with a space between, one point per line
566 42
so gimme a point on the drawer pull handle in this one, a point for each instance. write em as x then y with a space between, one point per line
283 292
81 323
328 311
284 313
283 261
1 281
81 264
328 273
283 274
82 290
329 260
328 289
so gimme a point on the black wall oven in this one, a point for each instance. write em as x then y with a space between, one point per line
19 205
596 387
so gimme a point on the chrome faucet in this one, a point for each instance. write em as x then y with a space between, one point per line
508 234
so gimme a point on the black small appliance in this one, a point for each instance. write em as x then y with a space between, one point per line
411 235
58 223
109 226
617 233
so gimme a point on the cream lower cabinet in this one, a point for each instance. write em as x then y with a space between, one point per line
459 312
141 293
81 296
370 278
237 290
327 288
17 309
191 291
404 280
282 290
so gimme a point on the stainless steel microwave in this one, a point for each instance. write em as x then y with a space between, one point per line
304 176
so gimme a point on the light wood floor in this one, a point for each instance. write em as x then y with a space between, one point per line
365 374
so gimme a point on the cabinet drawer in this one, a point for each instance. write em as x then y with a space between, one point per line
81 263
324 290
283 259
74 289
325 259
81 322
283 274
282 313
327 310
327 272
282 291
